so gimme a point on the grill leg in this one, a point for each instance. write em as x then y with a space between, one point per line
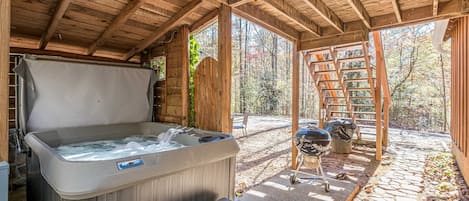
324 178
299 158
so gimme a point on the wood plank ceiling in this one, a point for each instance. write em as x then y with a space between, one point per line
120 29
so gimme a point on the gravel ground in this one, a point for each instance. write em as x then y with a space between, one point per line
400 176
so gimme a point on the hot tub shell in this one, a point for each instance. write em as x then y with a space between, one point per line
199 171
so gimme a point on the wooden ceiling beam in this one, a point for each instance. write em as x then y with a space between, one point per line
165 27
62 6
120 20
397 10
20 50
236 3
294 15
435 7
326 13
345 38
418 15
360 10
267 21
206 20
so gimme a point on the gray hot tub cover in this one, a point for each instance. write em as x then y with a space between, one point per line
57 94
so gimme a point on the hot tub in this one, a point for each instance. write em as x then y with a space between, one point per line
201 167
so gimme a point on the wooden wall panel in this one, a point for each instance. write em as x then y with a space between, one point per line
171 95
460 93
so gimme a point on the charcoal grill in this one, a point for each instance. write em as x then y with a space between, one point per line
312 143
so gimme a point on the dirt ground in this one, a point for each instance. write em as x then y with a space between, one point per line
266 151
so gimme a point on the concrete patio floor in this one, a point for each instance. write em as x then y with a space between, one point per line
278 188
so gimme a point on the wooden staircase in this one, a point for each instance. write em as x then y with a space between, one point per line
346 82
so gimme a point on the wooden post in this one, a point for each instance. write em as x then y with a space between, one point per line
185 74
295 99
386 124
379 69
5 7
224 63
322 110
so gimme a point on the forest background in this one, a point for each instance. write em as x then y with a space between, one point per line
418 74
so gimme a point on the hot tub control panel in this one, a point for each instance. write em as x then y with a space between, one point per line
129 164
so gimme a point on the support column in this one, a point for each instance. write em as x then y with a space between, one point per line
5 6
379 69
185 74
386 124
295 99
224 63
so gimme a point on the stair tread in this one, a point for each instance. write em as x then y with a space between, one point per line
361 97
357 79
358 89
353 69
321 62
364 112
328 81
335 111
351 59
324 71
362 105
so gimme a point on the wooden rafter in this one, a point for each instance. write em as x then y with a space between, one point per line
294 15
120 20
267 21
62 6
397 10
205 21
326 13
361 12
165 27
435 7
417 15
236 3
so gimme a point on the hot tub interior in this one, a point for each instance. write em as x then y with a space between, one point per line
92 162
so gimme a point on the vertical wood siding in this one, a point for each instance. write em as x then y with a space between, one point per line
169 94
460 93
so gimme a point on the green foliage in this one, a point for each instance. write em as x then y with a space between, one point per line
193 61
